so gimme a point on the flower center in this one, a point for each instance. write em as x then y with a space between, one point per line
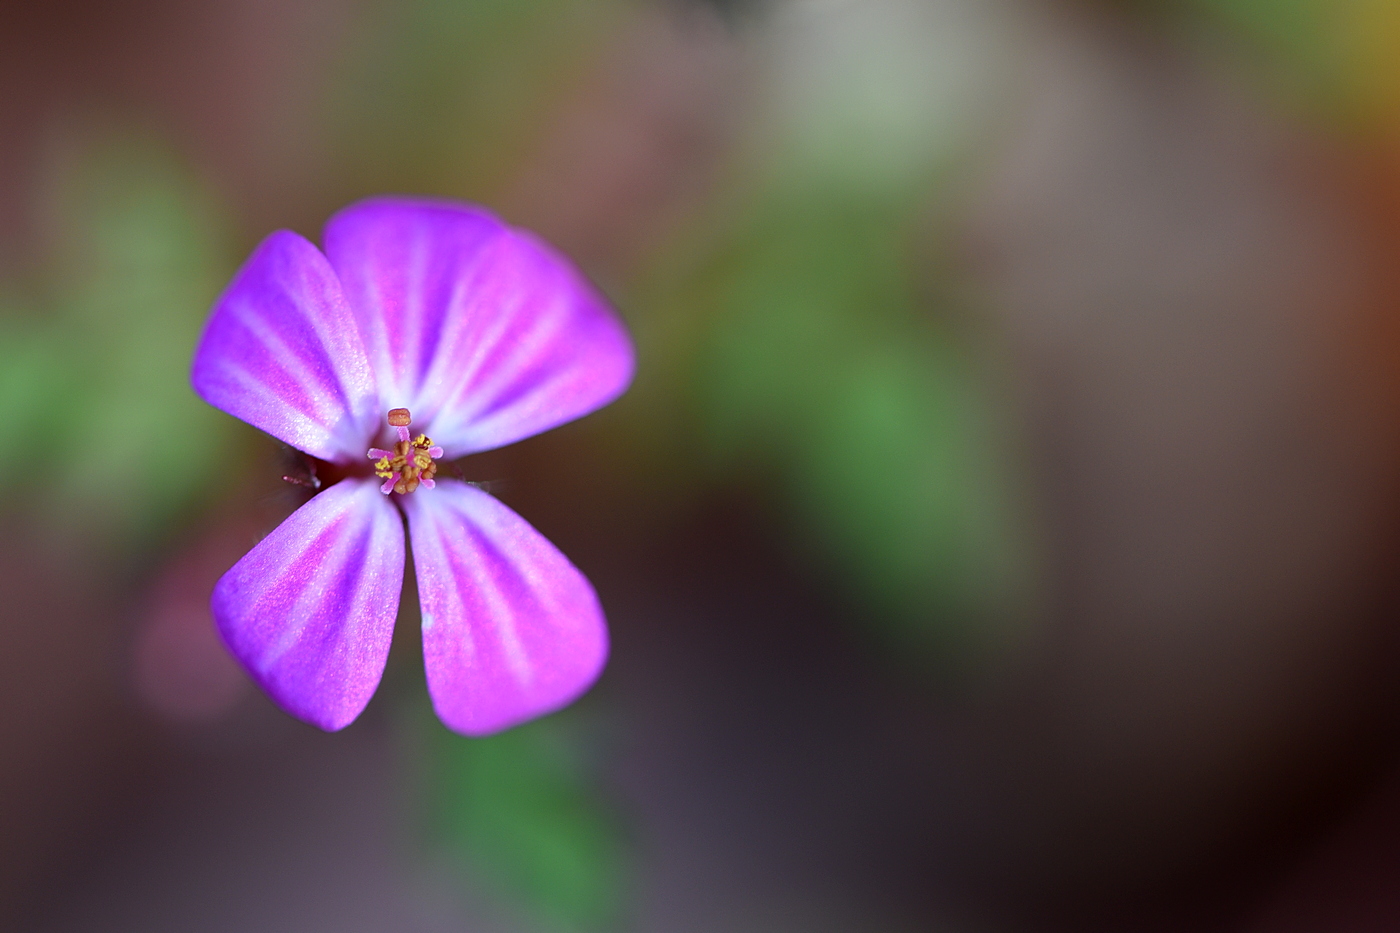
410 464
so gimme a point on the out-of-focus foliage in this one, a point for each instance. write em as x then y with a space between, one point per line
451 94
1340 54
826 372
95 349
869 419
521 814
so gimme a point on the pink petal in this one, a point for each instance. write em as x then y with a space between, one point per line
485 333
310 610
511 630
282 352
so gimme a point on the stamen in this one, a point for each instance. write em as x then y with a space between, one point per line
410 464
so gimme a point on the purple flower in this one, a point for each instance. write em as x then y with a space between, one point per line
441 315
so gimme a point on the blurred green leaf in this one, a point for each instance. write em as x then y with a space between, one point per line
900 487
31 357
100 362
827 379
824 371
522 814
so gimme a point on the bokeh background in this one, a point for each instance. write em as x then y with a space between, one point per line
1001 534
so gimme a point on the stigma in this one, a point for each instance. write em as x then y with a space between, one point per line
410 464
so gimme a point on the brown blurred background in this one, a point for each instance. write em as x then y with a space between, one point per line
1001 533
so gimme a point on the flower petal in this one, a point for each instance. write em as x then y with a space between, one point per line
485 333
511 629
282 352
310 610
